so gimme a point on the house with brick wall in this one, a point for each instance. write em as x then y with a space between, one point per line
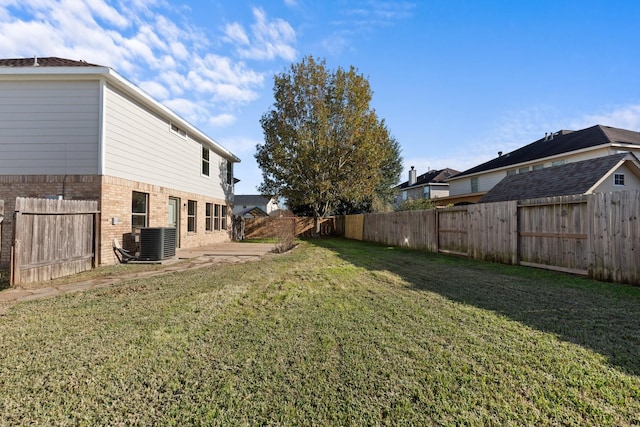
80 131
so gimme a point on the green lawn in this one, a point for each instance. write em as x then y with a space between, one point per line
334 332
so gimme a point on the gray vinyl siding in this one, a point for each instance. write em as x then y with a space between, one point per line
49 127
140 146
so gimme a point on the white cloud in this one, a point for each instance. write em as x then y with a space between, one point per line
155 89
269 39
627 117
222 120
192 111
236 34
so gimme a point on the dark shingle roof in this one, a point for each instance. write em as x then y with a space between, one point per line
431 177
563 141
44 62
250 200
569 179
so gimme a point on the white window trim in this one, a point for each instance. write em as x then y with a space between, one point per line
203 160
616 180
177 130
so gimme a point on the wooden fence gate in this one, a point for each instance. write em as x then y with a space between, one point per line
452 230
53 238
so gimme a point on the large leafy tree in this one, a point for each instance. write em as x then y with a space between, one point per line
323 142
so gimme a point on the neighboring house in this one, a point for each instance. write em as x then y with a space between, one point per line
73 130
554 149
617 172
243 203
430 185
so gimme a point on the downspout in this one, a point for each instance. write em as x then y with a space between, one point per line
101 128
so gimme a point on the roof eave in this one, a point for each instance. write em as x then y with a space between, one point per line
539 160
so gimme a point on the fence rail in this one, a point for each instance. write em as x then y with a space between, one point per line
53 238
596 235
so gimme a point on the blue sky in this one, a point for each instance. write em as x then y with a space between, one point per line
456 81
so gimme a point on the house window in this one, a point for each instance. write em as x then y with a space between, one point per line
191 216
175 129
558 163
618 179
229 172
205 161
538 167
523 170
216 217
139 209
426 192
208 220
223 217
404 196
474 185
511 172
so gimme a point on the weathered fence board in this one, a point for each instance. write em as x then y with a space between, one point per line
615 231
53 238
553 233
354 227
493 232
453 230
266 227
411 229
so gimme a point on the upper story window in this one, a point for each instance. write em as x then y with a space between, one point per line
618 179
474 184
175 129
205 160
229 172
558 162
538 167
524 169
511 172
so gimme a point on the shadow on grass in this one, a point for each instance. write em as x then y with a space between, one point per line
603 317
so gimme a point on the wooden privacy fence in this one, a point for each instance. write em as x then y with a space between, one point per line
53 238
596 235
267 227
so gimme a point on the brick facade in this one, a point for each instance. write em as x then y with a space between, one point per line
114 197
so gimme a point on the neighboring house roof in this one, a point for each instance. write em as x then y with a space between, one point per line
431 177
557 143
571 178
254 211
250 200
53 66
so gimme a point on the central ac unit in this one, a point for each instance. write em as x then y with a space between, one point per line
157 243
